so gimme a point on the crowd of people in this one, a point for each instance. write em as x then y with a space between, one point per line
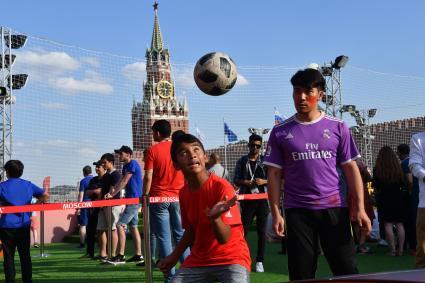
311 162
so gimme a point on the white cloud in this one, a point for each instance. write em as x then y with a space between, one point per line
92 61
135 71
59 61
53 105
184 77
92 83
242 80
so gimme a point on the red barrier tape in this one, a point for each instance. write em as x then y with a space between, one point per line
252 196
67 205
102 203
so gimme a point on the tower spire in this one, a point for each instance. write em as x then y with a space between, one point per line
156 35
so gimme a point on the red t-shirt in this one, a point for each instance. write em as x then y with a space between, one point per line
206 251
166 180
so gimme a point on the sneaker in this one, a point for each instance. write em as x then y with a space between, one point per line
101 258
382 243
259 267
36 246
118 259
136 258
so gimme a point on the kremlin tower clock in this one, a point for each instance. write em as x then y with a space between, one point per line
159 97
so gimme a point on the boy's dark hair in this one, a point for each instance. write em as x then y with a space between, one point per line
87 170
163 127
309 78
183 138
403 149
255 137
177 133
14 168
108 157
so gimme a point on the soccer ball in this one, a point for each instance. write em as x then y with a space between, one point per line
215 73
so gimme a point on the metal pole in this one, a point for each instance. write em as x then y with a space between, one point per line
109 219
3 102
10 95
147 240
42 253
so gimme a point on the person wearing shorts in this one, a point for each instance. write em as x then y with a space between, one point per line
111 178
132 182
83 213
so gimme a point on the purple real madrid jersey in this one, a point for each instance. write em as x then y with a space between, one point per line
308 153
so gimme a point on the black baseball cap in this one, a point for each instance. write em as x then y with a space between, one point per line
98 163
125 149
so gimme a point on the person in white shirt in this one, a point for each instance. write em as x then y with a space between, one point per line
417 167
216 167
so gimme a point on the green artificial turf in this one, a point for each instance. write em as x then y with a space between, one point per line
64 265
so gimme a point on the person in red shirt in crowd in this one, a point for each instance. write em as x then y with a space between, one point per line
163 180
212 222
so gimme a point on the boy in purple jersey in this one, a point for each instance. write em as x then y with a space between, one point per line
305 150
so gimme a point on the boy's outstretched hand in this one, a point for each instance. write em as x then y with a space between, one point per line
220 207
167 263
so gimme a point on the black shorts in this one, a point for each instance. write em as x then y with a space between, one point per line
305 228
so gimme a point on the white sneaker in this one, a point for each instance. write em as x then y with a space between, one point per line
382 243
259 267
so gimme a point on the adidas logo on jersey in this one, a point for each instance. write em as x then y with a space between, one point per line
228 214
289 136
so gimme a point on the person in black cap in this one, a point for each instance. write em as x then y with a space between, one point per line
132 182
94 190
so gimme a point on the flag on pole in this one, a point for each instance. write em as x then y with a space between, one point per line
200 135
231 136
278 119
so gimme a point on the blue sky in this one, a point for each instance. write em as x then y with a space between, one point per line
77 105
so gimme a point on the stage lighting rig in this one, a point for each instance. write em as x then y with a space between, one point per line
9 82
332 74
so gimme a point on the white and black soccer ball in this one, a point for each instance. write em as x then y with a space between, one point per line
215 73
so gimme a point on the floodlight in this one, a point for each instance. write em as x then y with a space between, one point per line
340 62
326 71
17 40
8 61
348 108
371 112
18 81
3 91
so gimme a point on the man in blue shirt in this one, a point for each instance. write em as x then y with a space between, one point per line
82 196
132 182
15 227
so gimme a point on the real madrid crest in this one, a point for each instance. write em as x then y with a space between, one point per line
326 134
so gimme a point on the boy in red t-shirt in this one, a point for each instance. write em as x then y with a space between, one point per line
212 222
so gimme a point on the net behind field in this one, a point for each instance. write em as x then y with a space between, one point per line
77 105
